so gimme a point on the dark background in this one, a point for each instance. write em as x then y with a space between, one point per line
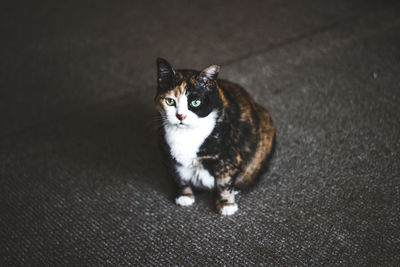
82 181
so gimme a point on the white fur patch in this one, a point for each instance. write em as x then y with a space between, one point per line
197 175
184 201
229 209
182 105
185 141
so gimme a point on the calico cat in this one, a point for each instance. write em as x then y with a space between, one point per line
213 133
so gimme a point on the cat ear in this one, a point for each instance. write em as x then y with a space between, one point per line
210 73
208 76
165 73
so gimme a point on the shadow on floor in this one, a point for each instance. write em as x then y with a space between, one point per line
114 143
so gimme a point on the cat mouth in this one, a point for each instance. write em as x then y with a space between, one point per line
182 124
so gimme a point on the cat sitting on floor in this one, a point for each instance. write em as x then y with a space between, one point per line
212 132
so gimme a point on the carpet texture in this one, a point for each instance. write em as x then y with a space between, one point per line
82 182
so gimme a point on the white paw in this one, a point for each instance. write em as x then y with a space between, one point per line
184 201
229 209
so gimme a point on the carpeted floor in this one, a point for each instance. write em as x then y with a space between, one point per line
82 182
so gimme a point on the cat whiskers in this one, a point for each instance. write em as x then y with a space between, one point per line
158 121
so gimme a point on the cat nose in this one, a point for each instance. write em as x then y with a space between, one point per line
180 117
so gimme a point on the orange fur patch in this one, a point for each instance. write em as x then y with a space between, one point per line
175 93
180 89
221 94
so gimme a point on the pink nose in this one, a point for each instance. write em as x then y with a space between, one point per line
180 117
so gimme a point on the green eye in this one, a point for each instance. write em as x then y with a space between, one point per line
195 103
170 101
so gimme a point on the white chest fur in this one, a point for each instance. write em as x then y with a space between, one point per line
184 143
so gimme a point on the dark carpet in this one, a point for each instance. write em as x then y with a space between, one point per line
81 179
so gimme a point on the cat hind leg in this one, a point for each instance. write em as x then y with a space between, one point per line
226 197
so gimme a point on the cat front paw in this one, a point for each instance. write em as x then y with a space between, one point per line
184 201
227 209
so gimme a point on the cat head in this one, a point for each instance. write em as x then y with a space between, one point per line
186 98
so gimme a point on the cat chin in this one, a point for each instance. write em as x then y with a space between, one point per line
183 125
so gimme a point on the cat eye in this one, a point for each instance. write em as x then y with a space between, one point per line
195 103
170 101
